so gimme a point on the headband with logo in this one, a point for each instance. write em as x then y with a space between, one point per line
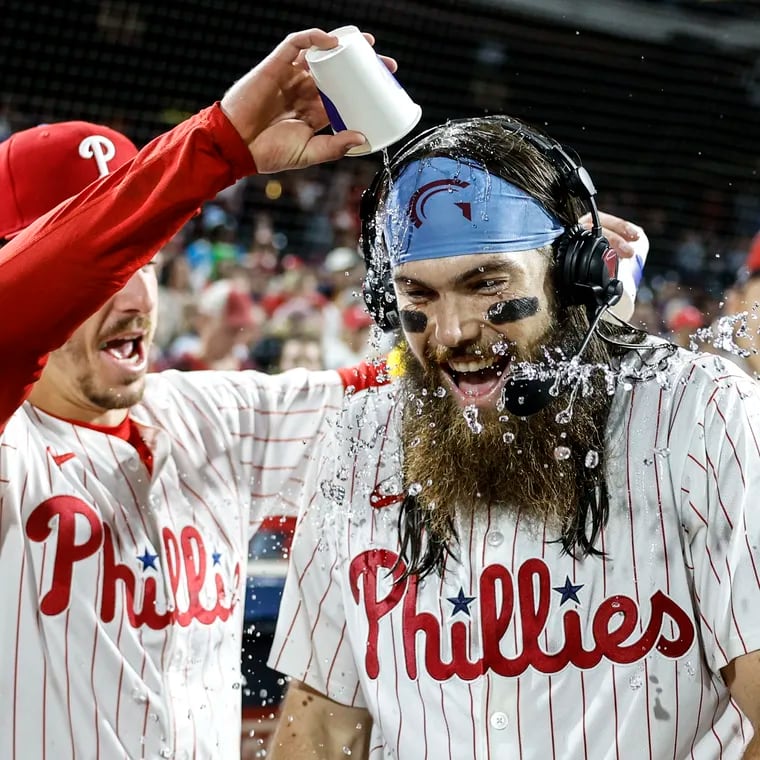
442 207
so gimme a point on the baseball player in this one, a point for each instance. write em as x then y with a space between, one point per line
542 541
126 499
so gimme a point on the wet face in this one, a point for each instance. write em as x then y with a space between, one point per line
468 318
102 367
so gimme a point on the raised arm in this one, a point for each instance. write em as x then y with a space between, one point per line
69 262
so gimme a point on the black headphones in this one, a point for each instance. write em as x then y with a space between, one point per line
586 267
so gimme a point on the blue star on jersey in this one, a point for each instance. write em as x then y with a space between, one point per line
461 602
568 591
148 560
217 558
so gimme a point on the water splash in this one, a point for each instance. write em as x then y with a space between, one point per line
471 417
592 459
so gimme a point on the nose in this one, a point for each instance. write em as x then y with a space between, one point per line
456 324
139 294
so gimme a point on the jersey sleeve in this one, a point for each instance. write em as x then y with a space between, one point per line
720 503
311 642
62 268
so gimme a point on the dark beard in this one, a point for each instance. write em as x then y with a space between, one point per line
541 468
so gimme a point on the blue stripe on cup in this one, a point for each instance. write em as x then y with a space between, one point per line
336 122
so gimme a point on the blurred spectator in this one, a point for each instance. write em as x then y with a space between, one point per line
301 350
683 322
176 302
216 247
352 343
226 323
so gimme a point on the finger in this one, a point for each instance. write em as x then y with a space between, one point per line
624 249
323 148
290 48
390 63
618 225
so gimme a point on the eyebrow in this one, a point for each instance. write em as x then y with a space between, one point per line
489 268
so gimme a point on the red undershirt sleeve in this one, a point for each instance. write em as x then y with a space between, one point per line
66 265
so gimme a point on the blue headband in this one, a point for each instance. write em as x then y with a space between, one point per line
441 207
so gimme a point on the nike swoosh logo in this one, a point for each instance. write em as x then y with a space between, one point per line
59 459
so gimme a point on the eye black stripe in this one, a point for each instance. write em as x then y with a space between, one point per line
512 311
413 321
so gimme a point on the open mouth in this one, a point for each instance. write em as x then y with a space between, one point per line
127 351
477 379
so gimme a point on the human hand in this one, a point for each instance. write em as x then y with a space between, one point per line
624 236
277 110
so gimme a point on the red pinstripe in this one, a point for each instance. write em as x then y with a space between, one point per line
733 611
714 473
649 719
583 715
319 609
18 626
335 655
550 688
731 443
472 723
446 721
680 400
424 720
629 497
396 662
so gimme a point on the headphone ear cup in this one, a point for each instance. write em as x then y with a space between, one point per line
587 269
380 299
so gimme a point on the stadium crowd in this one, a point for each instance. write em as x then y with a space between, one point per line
268 276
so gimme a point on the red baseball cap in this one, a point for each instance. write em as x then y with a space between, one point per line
46 165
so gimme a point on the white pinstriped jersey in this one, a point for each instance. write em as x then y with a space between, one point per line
122 592
521 651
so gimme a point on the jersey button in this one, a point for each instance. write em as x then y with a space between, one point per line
499 720
495 538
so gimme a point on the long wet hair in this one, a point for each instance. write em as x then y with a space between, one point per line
498 144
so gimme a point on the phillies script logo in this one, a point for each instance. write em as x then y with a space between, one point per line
188 568
613 635
419 200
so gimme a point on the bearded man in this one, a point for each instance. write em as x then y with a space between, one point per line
541 540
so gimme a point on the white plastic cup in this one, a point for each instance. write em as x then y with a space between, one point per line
630 272
359 93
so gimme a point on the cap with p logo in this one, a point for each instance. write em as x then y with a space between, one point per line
44 166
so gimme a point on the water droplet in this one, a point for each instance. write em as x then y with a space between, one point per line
471 414
592 459
415 489
564 417
439 392
508 437
346 750
636 681
139 695
561 453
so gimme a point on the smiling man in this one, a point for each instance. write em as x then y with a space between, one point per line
542 541
127 498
